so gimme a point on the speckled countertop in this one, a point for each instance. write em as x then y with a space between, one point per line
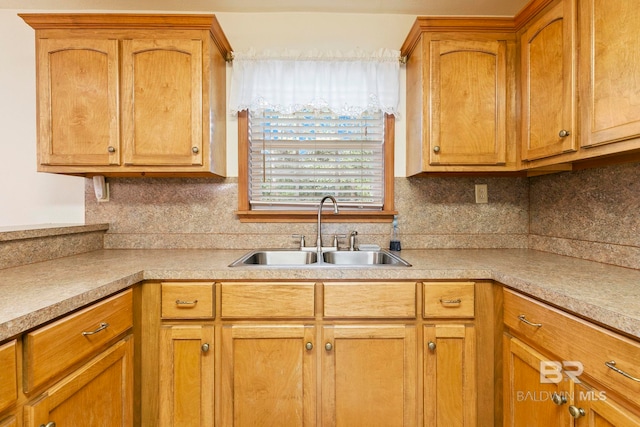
36 293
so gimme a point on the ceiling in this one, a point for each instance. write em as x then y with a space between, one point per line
410 7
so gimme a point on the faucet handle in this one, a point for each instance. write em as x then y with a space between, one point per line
335 239
301 237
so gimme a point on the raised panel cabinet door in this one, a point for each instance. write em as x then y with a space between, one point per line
609 68
187 375
162 102
468 98
450 393
268 376
369 375
595 408
78 117
99 394
536 394
548 89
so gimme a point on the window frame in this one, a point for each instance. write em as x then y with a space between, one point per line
246 214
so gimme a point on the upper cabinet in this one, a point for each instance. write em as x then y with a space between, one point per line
609 71
126 95
461 92
547 49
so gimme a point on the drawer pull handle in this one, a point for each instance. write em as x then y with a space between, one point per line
612 365
524 320
183 302
49 424
102 327
450 301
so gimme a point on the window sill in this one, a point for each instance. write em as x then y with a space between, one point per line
311 216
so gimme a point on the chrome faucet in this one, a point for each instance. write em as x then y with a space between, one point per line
335 211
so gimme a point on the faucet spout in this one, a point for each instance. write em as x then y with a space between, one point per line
335 211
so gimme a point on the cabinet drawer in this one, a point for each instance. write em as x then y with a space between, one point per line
9 377
455 299
261 300
388 299
187 300
52 349
571 339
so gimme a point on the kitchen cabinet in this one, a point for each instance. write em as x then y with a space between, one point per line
9 379
268 375
449 348
130 95
315 353
559 368
549 101
460 96
78 370
609 66
186 375
99 393
187 352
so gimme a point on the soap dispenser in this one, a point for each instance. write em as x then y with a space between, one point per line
394 242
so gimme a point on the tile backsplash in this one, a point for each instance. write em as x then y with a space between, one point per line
591 214
200 213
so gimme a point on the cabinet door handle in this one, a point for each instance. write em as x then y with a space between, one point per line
205 347
436 149
328 346
564 133
111 149
432 346
195 150
558 399
309 346
49 424
612 365
183 302
102 327
525 321
576 412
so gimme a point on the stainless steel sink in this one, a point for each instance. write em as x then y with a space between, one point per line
276 257
356 258
291 257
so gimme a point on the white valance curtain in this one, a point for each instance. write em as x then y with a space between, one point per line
342 82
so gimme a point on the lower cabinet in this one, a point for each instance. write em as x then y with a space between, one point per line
186 375
560 370
268 375
449 375
99 394
316 354
368 375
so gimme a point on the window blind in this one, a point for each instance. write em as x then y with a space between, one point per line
295 159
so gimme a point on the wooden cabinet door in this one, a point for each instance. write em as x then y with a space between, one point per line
529 394
548 89
596 408
78 117
467 99
186 375
609 69
99 394
449 375
268 375
369 375
162 102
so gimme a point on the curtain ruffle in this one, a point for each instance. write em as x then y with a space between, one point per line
344 82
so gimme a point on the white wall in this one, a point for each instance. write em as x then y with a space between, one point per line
27 197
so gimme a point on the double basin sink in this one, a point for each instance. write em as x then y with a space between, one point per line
290 257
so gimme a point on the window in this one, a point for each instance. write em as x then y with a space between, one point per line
285 168
296 159
312 124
